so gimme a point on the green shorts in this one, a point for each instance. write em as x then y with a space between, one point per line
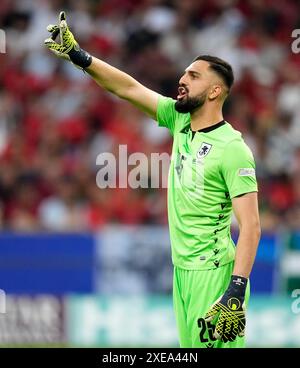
193 294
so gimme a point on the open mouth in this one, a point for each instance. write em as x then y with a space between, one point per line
182 92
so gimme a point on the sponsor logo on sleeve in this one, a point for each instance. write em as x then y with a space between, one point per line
246 172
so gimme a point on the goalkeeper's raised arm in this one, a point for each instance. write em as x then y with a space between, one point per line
107 76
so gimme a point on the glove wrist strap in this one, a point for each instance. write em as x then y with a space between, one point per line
238 285
80 57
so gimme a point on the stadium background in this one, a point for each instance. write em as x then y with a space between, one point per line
88 267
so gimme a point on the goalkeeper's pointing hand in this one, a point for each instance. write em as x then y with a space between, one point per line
229 310
68 47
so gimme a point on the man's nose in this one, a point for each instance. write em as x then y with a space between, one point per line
182 81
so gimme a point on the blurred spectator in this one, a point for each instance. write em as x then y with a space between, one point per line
63 211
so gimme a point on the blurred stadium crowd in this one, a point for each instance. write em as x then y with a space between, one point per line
54 120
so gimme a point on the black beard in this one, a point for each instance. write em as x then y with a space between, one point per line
189 104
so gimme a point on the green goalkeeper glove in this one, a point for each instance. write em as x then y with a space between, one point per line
230 309
68 47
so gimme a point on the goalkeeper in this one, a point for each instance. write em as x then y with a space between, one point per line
212 173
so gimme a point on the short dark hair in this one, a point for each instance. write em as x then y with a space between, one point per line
221 67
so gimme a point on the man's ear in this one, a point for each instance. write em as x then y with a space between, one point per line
215 92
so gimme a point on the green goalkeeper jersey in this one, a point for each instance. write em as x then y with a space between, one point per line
208 168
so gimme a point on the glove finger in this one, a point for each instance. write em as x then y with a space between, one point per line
55 48
66 37
54 30
241 329
217 336
52 27
63 22
224 339
51 44
230 337
241 326
242 333
212 312
220 328
62 16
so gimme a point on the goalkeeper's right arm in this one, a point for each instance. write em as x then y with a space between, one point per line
107 76
124 86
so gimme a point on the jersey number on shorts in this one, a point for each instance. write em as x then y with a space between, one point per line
203 325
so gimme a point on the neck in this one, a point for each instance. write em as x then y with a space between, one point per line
205 117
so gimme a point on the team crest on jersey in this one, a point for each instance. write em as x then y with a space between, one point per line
204 150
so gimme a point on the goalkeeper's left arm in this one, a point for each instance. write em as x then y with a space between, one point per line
107 76
230 309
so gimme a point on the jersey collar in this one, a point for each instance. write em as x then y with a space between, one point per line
186 128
